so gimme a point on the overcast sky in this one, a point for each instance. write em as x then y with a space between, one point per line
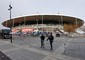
73 8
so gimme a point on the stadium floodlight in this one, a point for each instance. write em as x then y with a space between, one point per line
10 7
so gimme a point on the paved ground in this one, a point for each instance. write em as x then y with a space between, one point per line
3 56
28 48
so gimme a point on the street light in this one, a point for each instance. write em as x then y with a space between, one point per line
10 7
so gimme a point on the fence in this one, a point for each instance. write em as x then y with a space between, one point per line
75 48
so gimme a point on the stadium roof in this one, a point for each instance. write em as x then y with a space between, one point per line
48 18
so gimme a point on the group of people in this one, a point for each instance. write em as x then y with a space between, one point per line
50 38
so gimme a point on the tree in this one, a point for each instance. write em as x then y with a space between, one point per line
70 28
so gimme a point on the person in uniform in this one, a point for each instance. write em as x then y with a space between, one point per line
42 40
51 39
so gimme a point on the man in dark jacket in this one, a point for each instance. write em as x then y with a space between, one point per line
42 40
51 38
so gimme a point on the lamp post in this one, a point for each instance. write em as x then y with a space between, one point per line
10 7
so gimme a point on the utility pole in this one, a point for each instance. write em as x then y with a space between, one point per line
10 7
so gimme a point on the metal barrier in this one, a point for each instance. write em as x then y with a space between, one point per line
75 48
26 40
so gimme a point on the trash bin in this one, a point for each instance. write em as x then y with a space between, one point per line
57 35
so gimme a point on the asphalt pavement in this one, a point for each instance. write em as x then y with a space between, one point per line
28 48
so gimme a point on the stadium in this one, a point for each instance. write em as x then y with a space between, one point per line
49 23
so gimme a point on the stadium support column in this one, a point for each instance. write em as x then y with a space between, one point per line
37 23
76 21
13 23
10 7
24 21
62 22
42 22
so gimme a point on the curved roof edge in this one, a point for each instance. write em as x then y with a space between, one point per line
10 22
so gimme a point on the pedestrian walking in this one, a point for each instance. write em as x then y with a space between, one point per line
42 40
51 39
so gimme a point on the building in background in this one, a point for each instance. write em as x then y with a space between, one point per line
48 23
